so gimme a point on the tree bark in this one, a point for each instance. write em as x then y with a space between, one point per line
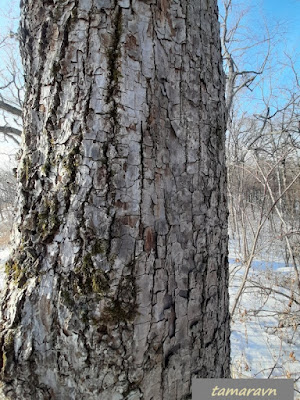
117 285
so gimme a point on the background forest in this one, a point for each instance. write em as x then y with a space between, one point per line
263 161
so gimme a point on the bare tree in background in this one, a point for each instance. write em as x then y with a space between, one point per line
262 150
263 187
11 81
7 194
238 43
11 102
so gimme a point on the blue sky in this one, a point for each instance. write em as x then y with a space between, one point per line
283 8
286 11
280 9
281 20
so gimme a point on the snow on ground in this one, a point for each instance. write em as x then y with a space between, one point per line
265 333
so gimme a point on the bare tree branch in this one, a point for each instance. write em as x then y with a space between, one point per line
10 130
11 109
11 133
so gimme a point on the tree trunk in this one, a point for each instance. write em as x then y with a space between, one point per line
117 286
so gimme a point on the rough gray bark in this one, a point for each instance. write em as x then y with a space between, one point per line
118 281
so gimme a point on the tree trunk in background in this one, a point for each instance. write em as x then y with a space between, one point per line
117 287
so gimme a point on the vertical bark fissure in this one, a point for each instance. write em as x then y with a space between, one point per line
42 56
122 177
113 56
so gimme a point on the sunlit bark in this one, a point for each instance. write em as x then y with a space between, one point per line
118 281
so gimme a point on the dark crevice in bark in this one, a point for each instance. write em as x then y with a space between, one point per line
120 298
113 59
42 58
131 6
88 35
171 353
142 168
57 68
113 56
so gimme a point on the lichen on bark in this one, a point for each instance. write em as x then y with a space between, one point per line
117 286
